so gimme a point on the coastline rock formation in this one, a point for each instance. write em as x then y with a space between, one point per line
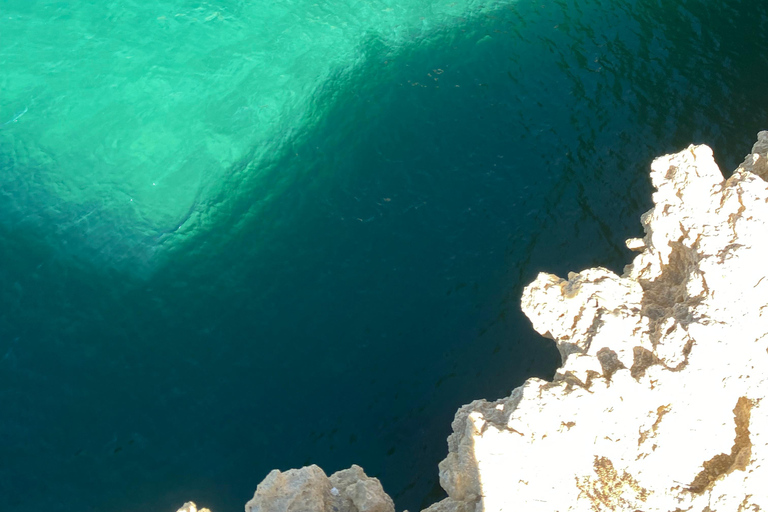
659 403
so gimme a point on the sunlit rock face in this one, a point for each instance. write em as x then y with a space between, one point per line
191 507
659 402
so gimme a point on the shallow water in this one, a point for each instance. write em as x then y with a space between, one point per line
326 278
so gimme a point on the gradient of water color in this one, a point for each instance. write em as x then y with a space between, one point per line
335 207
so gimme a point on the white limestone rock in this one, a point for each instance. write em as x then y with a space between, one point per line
659 403
191 507
309 490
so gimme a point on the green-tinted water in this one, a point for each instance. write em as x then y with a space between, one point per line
141 120
330 259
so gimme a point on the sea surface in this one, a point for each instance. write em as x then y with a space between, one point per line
243 235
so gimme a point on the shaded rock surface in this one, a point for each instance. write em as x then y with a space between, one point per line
309 490
659 404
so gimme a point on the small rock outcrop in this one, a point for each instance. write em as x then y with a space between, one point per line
309 490
660 402
191 507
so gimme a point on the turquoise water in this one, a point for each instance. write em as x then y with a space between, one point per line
239 236
150 118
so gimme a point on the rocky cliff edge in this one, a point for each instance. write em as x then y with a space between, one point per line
659 403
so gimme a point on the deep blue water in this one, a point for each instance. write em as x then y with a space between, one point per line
341 309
